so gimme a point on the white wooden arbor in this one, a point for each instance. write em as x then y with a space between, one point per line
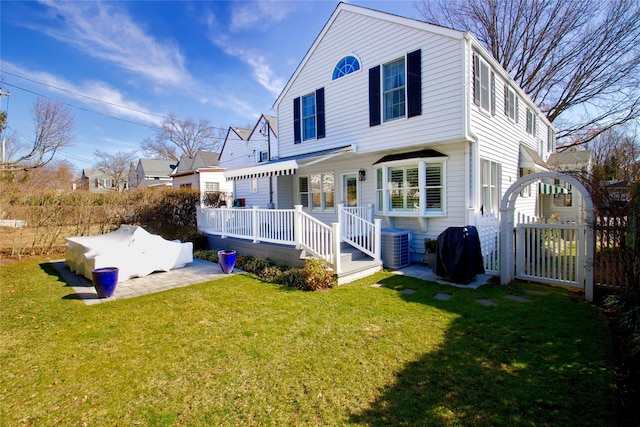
507 211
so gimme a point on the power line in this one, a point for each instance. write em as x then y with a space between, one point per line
91 98
85 96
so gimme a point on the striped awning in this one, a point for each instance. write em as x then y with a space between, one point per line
287 167
550 189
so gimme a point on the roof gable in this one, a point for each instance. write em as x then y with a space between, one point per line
154 167
350 8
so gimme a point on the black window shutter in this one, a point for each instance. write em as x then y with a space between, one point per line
320 113
414 83
297 139
374 96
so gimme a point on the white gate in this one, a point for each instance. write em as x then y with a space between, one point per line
551 253
548 262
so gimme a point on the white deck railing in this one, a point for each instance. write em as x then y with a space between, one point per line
297 228
360 230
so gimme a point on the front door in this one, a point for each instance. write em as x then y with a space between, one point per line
350 189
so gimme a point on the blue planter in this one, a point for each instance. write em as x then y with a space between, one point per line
105 280
227 259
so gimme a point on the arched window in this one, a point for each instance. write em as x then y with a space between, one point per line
347 65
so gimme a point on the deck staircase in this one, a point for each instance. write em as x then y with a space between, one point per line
355 264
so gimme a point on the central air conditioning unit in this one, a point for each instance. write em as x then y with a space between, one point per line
395 248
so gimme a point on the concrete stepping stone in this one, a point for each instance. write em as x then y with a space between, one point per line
378 285
532 292
408 291
442 297
517 298
487 302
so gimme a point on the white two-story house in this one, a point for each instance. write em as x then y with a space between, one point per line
252 148
415 120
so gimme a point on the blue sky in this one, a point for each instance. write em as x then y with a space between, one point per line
124 65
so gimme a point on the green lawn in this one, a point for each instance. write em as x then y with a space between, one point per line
242 352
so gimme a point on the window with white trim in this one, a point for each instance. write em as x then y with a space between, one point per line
531 122
509 103
404 188
263 156
551 139
309 116
563 200
491 172
394 89
483 84
416 188
317 191
211 186
526 191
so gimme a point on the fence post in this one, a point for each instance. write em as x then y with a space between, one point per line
254 223
297 226
341 217
377 230
336 247
225 218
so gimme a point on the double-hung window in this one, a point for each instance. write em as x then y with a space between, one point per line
491 176
309 117
394 89
413 188
484 82
531 122
509 103
317 191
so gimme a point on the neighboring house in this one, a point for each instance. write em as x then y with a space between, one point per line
415 119
201 172
253 147
150 173
98 182
559 199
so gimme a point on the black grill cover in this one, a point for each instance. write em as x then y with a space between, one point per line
458 255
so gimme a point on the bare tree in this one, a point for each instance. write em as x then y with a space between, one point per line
616 155
175 137
54 128
115 167
579 60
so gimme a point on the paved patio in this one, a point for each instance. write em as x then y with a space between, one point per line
200 271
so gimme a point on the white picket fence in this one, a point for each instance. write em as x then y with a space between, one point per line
297 228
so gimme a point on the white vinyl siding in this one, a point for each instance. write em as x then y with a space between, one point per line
347 99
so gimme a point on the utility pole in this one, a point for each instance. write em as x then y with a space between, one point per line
2 129
267 127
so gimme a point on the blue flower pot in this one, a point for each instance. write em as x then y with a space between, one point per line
227 259
105 280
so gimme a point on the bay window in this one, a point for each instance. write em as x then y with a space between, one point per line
411 188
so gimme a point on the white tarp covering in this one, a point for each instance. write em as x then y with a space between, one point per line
135 252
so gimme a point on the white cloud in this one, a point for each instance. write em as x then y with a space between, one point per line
259 14
97 94
107 32
262 72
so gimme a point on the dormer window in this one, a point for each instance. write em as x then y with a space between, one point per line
347 65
